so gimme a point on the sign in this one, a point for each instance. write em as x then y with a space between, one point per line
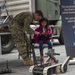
68 26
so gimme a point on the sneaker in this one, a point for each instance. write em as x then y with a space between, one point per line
42 59
52 61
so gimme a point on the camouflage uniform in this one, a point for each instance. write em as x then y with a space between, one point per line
19 28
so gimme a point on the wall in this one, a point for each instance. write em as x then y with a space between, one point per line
16 6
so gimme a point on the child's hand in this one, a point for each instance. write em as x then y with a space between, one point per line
37 32
43 33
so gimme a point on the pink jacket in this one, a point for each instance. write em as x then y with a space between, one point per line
39 29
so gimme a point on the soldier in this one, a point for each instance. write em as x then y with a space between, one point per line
37 16
20 26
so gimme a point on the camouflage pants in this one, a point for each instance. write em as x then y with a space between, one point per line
19 35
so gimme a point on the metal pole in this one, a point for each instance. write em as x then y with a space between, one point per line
0 46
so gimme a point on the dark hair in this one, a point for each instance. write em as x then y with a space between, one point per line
39 12
44 19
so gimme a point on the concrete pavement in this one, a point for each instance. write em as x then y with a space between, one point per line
18 68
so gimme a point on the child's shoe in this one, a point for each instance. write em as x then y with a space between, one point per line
52 61
42 59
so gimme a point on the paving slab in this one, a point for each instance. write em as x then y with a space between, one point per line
18 68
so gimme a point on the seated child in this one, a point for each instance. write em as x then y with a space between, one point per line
44 28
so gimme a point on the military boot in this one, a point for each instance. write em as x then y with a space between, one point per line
28 62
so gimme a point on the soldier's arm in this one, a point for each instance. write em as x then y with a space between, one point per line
27 22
